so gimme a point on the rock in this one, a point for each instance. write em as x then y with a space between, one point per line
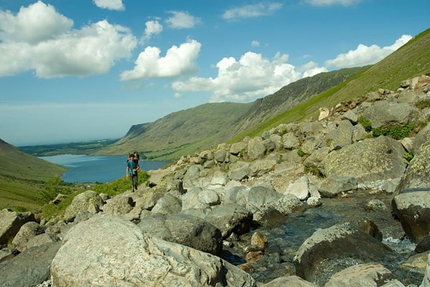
333 186
386 114
417 175
260 198
186 230
119 205
230 218
341 136
289 204
362 275
256 148
369 160
293 280
290 141
25 233
107 250
30 267
333 249
11 222
88 200
168 204
299 188
258 239
413 210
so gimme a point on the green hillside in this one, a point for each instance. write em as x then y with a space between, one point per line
413 59
22 177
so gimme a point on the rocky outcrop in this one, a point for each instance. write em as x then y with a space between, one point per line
110 251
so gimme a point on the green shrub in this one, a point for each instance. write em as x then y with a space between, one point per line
365 123
423 104
300 152
52 188
396 132
408 156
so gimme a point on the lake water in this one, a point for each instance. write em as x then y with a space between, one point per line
86 168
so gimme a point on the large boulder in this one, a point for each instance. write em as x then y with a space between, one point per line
87 201
386 114
369 160
29 268
333 249
11 222
417 175
107 250
184 229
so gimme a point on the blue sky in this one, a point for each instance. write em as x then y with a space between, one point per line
73 70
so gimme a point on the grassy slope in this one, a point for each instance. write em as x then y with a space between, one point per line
178 133
22 177
413 59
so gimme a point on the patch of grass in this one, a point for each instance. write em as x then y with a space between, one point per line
395 132
365 123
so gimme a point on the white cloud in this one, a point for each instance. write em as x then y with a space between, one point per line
311 69
255 44
365 55
52 49
332 2
182 20
249 11
179 61
247 79
110 4
33 24
153 27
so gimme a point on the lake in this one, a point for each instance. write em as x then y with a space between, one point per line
87 168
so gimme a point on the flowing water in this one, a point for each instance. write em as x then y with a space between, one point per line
289 236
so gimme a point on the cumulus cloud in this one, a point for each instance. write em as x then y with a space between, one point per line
182 20
366 55
110 4
332 2
41 40
179 61
249 11
246 79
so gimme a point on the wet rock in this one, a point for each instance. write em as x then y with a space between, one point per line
230 218
362 275
413 210
333 249
295 281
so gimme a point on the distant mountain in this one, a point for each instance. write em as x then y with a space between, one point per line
188 131
19 165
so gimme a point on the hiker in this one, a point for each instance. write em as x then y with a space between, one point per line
131 171
137 159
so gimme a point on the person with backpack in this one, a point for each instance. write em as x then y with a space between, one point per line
131 171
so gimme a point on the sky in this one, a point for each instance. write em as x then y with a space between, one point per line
78 70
